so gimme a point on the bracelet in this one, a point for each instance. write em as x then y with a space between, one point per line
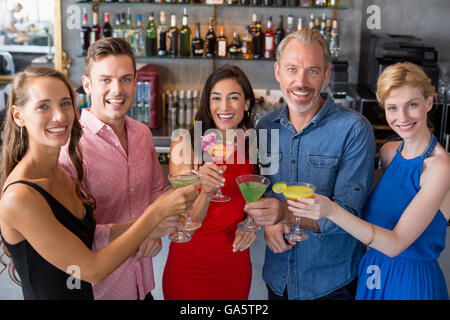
373 235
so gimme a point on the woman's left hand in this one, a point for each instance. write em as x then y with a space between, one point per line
314 208
243 240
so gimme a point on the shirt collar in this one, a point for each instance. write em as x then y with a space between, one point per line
91 121
283 115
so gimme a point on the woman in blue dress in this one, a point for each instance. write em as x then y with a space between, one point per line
407 212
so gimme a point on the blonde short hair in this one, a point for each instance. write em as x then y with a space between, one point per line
403 74
306 36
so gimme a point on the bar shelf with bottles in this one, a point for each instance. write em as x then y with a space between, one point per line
297 4
150 41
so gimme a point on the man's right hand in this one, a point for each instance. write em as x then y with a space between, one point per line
266 211
274 236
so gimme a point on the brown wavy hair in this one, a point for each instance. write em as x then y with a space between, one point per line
15 142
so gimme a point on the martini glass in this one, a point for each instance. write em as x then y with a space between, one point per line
293 191
252 187
221 152
180 179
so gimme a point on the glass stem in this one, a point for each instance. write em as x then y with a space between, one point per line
297 224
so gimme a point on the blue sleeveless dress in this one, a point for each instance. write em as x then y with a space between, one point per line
415 273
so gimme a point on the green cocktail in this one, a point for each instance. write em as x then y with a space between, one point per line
181 179
252 187
252 191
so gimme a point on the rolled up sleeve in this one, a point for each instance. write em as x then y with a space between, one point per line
354 177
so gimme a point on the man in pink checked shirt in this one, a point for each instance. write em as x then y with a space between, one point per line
122 171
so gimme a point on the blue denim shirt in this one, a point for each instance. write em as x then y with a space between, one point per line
335 152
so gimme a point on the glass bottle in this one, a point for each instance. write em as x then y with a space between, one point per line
334 41
211 40
235 47
107 28
185 36
139 38
269 41
290 24
85 34
222 43
198 44
299 24
173 36
129 31
258 42
247 44
279 33
96 30
117 30
162 35
333 3
150 37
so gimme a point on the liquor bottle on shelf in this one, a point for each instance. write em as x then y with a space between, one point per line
247 44
258 42
85 34
173 36
185 37
117 30
290 24
306 3
317 24
280 3
320 3
235 47
107 28
139 38
198 44
222 43
333 3
162 35
299 24
232 2
253 25
96 30
293 3
181 110
328 29
279 33
311 22
323 30
334 41
268 3
123 25
245 2
211 40
150 37
129 29
269 40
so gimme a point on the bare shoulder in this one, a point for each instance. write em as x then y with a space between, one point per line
22 203
387 152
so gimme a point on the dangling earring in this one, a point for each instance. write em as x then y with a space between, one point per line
21 129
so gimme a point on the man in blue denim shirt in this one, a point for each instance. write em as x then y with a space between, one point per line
324 144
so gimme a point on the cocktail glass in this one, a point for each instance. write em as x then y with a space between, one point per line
221 152
180 179
252 187
293 191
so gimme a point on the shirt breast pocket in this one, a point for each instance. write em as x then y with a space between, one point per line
322 172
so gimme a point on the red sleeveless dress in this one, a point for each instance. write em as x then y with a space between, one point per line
205 268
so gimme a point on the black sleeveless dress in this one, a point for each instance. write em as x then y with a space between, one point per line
40 279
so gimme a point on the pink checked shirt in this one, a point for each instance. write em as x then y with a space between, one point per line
123 186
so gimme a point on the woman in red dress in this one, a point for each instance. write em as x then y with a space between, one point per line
215 264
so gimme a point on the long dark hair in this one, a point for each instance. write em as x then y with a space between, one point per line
15 140
225 72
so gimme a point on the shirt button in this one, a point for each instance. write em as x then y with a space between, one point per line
293 161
